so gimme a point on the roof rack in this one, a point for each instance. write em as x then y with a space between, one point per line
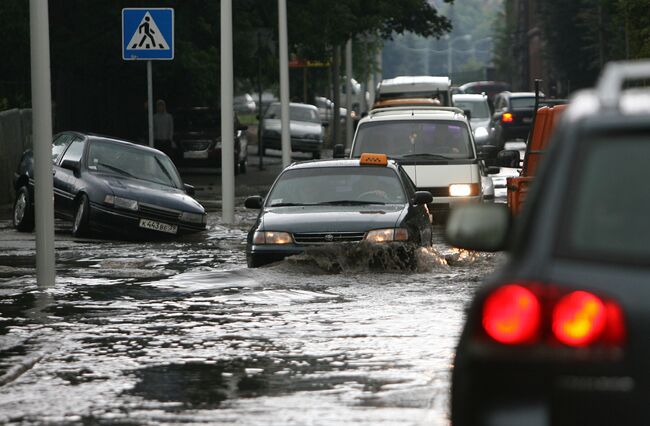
416 108
614 76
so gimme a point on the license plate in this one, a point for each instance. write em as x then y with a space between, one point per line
195 154
158 226
527 120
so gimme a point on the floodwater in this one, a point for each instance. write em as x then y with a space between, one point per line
182 332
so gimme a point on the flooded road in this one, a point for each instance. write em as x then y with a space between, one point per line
182 332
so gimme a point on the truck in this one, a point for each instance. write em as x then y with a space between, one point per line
546 118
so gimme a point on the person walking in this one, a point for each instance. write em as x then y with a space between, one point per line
163 130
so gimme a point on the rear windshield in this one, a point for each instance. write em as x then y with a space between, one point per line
522 103
413 139
477 109
332 185
608 211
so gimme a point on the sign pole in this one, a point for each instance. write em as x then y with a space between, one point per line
227 116
150 102
42 141
284 82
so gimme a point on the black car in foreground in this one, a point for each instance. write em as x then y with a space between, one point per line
106 184
560 335
326 202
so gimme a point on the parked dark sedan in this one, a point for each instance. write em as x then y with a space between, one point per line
337 201
560 334
305 125
107 184
198 135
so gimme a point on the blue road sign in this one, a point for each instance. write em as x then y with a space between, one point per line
147 34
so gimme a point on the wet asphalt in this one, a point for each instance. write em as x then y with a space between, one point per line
182 332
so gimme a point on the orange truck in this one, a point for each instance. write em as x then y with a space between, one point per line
545 120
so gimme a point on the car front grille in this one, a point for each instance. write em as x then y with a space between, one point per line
155 212
439 191
328 237
195 145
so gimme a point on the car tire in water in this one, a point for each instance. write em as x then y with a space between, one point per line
80 226
23 213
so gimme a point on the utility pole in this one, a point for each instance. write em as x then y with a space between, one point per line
336 85
348 93
227 117
42 141
284 82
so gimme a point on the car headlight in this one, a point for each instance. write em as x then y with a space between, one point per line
480 132
193 217
272 237
389 234
463 189
122 203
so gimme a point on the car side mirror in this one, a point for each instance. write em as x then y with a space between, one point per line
468 113
422 197
189 189
339 151
491 170
254 202
508 158
75 166
481 227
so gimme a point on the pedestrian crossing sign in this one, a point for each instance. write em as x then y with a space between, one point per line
147 34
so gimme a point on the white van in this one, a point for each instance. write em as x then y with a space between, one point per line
416 87
434 145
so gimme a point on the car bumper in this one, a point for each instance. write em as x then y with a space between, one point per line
300 145
518 390
128 224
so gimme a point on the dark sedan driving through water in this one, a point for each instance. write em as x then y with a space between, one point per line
316 203
107 184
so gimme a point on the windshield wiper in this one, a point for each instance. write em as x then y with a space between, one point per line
162 167
348 202
290 204
427 155
116 169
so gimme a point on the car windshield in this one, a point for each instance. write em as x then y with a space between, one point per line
123 160
522 103
296 113
477 109
199 119
413 138
608 219
337 185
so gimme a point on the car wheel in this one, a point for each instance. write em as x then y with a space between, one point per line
80 226
242 166
23 211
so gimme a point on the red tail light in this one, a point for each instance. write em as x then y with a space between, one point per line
579 319
507 117
512 314
515 314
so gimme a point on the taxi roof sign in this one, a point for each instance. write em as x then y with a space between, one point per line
371 159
